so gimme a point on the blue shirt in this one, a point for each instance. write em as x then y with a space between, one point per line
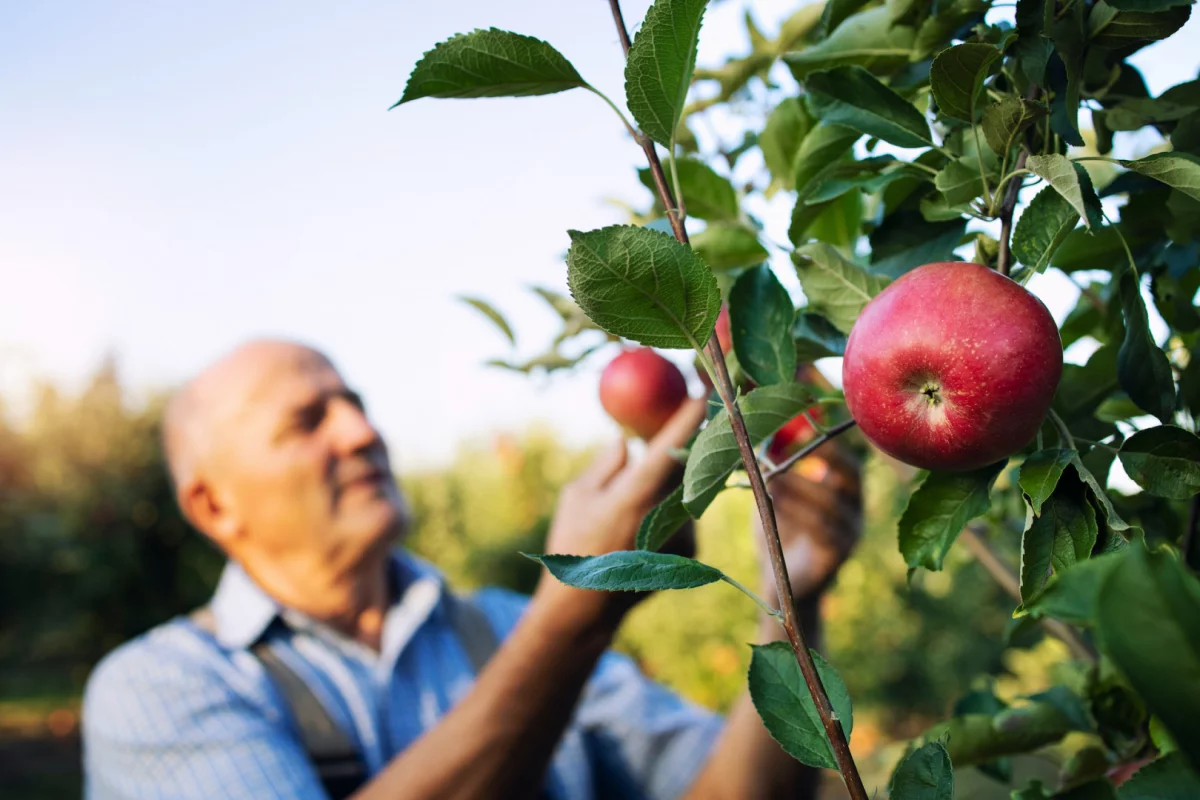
178 713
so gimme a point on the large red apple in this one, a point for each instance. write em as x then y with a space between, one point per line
641 390
952 367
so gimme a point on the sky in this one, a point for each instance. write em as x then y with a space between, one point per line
177 178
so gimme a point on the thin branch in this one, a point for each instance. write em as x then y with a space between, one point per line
1004 260
791 625
1009 582
1064 434
1013 192
787 463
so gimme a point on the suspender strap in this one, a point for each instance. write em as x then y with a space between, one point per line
473 629
330 749
332 752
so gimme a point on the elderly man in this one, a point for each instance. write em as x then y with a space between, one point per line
331 663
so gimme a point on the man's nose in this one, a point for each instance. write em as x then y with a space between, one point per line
351 428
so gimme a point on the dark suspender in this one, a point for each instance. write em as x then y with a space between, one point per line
330 749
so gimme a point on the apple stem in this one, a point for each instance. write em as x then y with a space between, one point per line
791 624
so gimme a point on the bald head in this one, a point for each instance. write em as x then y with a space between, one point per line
199 414
273 458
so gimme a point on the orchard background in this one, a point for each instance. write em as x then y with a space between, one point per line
86 507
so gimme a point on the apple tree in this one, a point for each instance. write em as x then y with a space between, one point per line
938 156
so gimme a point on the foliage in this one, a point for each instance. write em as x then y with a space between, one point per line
989 104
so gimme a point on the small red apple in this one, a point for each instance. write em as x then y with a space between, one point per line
641 390
1123 772
952 367
723 331
797 432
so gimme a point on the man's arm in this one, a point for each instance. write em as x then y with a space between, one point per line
498 741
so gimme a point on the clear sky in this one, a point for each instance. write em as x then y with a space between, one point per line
175 178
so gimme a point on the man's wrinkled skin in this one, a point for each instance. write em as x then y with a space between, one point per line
275 460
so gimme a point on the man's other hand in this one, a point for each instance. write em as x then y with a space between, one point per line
818 507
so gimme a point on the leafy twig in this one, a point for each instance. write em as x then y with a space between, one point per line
829 721
1008 581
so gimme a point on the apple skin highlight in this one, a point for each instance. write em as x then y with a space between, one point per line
952 367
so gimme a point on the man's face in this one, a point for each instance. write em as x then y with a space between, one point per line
305 471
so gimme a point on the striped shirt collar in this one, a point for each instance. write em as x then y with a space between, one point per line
243 611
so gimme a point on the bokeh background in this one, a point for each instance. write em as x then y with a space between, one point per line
177 178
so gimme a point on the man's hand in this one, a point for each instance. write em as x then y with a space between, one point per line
601 510
818 507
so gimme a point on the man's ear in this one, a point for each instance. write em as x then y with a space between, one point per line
208 513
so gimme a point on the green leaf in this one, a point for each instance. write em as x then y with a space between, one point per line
490 63
1149 622
485 308
1081 250
905 240
1071 595
1167 778
706 194
1113 29
1111 519
1147 5
760 316
1072 182
1068 31
938 29
816 337
629 571
643 285
726 246
715 453
1164 461
867 39
979 738
926 774
840 221
1061 537
780 141
1142 366
1040 474
1044 225
853 97
786 707
835 287
1137 112
1180 171
938 511
662 522
1006 121
957 77
822 147
659 68
960 181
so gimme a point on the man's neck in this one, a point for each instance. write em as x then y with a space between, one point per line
352 602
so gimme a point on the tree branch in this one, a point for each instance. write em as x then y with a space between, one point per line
1004 260
766 511
1009 582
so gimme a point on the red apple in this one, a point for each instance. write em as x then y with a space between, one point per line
723 331
641 390
797 432
952 367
